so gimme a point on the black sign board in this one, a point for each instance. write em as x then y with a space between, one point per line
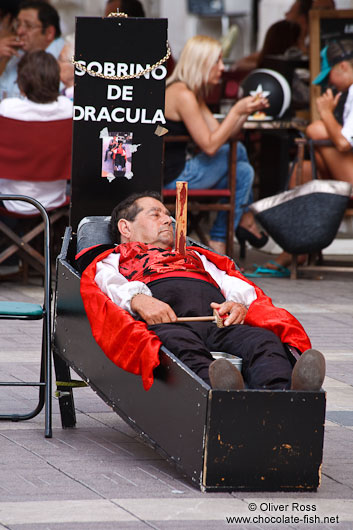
325 26
116 150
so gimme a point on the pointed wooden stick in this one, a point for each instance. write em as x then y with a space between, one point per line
215 318
181 216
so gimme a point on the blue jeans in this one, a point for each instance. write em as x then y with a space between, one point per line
211 172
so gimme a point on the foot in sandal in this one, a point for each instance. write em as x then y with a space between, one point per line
270 270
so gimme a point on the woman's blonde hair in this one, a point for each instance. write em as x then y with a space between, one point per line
198 56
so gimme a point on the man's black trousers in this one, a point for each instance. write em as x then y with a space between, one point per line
265 361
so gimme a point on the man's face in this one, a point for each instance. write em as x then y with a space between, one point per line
341 76
30 31
152 225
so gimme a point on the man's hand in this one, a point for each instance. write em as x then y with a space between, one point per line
327 102
9 46
237 312
152 310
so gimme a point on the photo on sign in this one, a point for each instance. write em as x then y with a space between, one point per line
117 155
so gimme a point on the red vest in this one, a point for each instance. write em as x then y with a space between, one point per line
146 263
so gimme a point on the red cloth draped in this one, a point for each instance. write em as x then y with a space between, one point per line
126 341
145 263
132 347
49 140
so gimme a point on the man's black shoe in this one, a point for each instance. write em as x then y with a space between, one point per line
225 376
309 371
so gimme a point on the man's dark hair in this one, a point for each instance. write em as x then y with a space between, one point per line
9 7
133 8
47 14
38 76
128 209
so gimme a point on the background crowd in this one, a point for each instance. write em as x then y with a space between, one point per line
37 84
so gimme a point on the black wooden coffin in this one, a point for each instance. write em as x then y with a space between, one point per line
221 440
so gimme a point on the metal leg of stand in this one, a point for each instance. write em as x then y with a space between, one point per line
66 398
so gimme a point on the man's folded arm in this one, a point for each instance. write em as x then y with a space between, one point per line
115 285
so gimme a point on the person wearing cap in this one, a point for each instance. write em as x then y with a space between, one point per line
334 156
334 161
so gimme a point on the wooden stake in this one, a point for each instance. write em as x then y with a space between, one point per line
181 213
216 318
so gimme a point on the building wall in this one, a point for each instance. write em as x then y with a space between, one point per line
182 25
69 9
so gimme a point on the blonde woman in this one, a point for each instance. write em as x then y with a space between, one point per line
200 68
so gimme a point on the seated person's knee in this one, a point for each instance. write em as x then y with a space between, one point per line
317 130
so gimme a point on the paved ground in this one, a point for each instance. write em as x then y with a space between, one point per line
100 476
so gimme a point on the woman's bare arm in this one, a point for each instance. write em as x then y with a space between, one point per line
207 133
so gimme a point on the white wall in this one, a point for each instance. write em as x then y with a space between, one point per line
182 25
69 9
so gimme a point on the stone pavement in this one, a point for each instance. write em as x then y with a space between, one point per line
100 476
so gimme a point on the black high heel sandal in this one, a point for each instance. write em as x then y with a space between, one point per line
244 235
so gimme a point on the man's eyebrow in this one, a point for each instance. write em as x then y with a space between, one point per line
158 209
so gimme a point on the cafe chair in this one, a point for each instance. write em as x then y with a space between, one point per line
35 152
203 201
19 310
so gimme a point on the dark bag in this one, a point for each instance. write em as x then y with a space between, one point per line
305 219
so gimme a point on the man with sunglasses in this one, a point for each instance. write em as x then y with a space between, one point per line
37 27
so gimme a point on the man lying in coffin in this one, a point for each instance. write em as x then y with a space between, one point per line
135 290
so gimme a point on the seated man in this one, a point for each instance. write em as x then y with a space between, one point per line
335 159
145 276
37 27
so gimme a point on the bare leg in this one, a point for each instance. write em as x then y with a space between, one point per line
284 260
307 174
217 246
248 221
340 165
332 163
